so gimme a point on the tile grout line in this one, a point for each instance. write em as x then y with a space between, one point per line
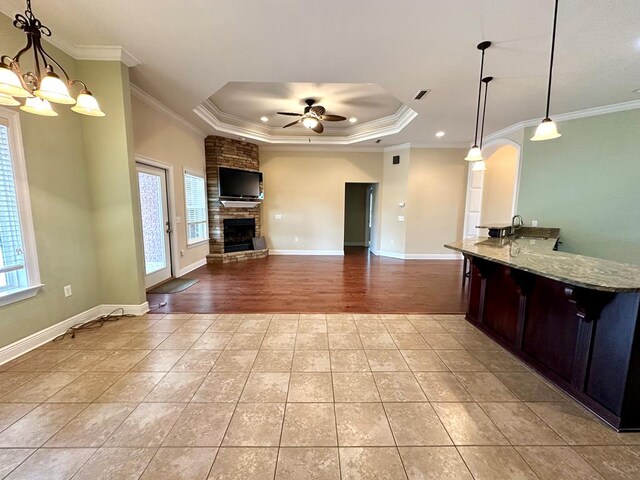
286 402
393 435
235 407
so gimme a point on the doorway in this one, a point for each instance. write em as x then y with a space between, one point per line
359 201
156 227
492 194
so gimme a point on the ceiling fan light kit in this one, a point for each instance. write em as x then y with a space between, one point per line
312 117
44 85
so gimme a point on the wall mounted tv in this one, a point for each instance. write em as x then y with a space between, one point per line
236 183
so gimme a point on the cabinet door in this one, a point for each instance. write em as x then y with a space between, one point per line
501 303
551 327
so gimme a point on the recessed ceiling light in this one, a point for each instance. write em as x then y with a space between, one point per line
353 120
264 119
440 134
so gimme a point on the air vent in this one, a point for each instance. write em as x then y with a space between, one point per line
421 94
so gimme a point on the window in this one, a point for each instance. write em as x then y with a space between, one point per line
196 206
19 276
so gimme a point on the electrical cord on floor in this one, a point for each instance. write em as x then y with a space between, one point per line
114 316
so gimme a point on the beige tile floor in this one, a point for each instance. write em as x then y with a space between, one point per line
310 397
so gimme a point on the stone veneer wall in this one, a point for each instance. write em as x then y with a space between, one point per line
227 152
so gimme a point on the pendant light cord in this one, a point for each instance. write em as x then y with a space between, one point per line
553 48
484 107
475 138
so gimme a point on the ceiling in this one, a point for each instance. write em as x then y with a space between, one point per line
190 50
249 109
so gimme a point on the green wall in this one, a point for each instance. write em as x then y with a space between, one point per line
62 216
113 178
587 182
83 190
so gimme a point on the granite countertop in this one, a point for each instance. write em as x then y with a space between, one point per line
538 257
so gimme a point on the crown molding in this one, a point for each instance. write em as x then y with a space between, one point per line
395 148
153 102
351 149
563 117
104 53
319 148
231 124
87 52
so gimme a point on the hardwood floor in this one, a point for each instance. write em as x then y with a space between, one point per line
358 282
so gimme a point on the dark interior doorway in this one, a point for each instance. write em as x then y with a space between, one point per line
358 214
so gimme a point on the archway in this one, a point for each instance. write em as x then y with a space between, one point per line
492 195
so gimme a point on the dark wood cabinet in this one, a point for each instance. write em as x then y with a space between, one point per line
585 341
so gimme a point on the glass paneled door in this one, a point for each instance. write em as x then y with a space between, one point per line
156 228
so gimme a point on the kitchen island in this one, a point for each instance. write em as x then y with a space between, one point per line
573 318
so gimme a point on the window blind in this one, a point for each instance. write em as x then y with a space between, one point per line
12 264
196 208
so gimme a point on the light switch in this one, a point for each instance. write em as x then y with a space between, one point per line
401 218
278 216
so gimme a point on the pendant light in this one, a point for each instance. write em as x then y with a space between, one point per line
480 165
38 106
475 154
8 100
547 130
44 84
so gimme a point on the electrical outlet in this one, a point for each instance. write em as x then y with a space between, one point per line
67 291
278 216
295 239
182 253
534 223
401 218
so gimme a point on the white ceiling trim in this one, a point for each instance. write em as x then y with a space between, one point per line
319 148
87 52
346 148
153 102
563 117
231 124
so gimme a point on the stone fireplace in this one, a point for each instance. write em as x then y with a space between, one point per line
235 222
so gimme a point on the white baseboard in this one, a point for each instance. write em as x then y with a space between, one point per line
34 340
433 256
306 252
417 256
385 253
190 268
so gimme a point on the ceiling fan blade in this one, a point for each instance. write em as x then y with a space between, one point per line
318 128
291 124
291 114
333 118
318 110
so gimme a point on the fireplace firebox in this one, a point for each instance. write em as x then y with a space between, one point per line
238 234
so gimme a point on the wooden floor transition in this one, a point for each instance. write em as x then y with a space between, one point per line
358 282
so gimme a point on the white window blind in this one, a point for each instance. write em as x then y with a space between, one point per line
13 274
196 206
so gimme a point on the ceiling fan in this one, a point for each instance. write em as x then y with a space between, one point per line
313 116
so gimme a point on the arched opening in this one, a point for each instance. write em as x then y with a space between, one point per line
492 194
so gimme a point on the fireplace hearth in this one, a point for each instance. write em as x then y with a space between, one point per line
238 234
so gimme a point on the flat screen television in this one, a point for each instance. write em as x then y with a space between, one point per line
237 183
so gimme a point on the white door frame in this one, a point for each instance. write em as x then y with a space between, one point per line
488 150
171 205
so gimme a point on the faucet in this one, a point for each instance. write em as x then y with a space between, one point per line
514 226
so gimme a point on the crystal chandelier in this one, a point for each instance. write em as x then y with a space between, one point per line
44 85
